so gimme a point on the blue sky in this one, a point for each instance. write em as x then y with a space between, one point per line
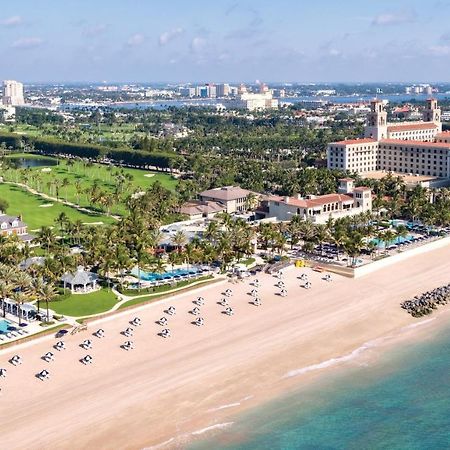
225 40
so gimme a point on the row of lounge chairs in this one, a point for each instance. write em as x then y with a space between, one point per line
12 334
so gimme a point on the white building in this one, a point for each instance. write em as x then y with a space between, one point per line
255 102
12 93
406 147
233 198
349 201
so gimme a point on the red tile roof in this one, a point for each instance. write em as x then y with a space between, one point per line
319 201
414 143
412 126
355 141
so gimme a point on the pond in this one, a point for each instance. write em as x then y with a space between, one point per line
25 163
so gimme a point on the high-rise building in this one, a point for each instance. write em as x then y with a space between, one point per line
223 90
12 93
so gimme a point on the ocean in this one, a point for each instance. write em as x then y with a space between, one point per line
400 400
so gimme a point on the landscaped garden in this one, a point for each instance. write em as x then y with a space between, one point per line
81 305
87 184
37 212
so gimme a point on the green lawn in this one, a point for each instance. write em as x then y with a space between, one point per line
106 178
80 305
121 133
165 291
28 205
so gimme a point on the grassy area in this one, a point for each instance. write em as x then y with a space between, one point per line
81 178
88 133
30 207
168 291
248 261
81 305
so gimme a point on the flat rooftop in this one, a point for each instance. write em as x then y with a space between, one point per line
409 179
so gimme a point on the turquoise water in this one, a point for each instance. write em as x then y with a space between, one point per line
401 402
396 241
4 326
153 276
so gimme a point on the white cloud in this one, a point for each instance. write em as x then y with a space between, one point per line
167 36
334 52
135 40
198 44
440 50
27 42
395 17
94 30
12 21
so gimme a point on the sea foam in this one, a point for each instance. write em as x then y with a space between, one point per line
354 354
218 426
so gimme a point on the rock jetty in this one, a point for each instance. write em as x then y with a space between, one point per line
424 304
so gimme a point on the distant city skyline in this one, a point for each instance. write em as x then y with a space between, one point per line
245 40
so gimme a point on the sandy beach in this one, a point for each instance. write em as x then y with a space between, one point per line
172 390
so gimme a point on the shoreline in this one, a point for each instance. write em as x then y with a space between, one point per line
311 377
199 378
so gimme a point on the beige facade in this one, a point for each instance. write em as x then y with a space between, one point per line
318 209
12 93
409 147
233 198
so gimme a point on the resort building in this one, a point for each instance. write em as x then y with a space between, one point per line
197 209
348 201
233 198
415 148
12 225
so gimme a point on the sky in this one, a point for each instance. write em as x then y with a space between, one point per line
225 40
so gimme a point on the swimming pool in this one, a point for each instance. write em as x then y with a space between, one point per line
4 324
153 276
398 240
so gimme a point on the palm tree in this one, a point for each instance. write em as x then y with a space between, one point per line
23 287
179 240
46 237
64 184
62 220
47 293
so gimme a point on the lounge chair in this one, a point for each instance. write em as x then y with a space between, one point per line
128 345
43 375
86 344
87 360
49 356
60 346
16 360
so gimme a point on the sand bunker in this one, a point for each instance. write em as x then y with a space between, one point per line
46 205
149 175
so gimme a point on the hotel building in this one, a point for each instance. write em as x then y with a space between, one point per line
415 148
348 201
12 93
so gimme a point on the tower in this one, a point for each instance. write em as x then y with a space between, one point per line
432 113
376 127
12 93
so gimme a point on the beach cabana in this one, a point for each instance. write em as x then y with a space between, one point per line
28 311
80 281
